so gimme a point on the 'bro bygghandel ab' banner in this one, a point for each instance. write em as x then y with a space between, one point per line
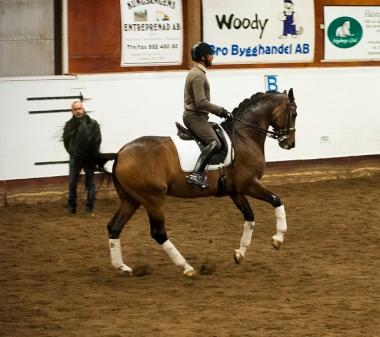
256 31
151 32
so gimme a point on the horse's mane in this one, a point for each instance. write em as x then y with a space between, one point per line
243 106
246 103
252 101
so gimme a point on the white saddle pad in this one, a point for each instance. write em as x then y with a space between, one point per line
189 151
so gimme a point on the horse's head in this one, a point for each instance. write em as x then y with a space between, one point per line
284 121
262 110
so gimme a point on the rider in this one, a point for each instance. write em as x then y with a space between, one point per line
197 108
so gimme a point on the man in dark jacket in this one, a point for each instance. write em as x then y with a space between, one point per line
81 138
197 108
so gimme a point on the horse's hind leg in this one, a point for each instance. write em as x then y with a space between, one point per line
259 191
158 233
127 208
249 223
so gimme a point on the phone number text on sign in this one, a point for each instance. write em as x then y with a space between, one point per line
152 46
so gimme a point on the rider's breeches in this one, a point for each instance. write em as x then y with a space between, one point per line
198 124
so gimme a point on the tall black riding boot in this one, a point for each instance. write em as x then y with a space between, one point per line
196 177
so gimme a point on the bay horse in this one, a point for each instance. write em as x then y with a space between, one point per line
147 169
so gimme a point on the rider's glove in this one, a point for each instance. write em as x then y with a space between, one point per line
225 114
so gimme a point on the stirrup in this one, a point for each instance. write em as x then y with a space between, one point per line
197 179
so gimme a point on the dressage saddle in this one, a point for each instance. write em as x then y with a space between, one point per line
219 156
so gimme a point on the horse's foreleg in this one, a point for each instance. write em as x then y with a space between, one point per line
242 204
115 226
259 191
158 233
281 227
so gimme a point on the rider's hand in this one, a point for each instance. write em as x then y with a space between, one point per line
225 114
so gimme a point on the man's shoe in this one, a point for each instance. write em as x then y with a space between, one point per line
71 210
197 179
89 211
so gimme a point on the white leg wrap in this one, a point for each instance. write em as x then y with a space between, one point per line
245 240
116 257
281 225
176 256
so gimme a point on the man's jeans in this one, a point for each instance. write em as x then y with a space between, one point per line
74 174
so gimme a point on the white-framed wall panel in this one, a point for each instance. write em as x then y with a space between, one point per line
338 112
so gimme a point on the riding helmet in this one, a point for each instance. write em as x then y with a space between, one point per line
200 49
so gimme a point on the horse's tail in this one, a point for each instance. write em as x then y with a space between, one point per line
100 159
97 161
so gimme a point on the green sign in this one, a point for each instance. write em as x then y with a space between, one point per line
345 32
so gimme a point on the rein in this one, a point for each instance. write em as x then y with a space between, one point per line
279 134
276 134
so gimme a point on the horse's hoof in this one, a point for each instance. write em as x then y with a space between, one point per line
125 270
277 240
276 243
238 256
190 273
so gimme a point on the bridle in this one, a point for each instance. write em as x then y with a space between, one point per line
284 134
278 134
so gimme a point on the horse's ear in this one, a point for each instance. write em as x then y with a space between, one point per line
285 92
291 95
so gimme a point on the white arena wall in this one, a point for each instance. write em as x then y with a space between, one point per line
338 112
